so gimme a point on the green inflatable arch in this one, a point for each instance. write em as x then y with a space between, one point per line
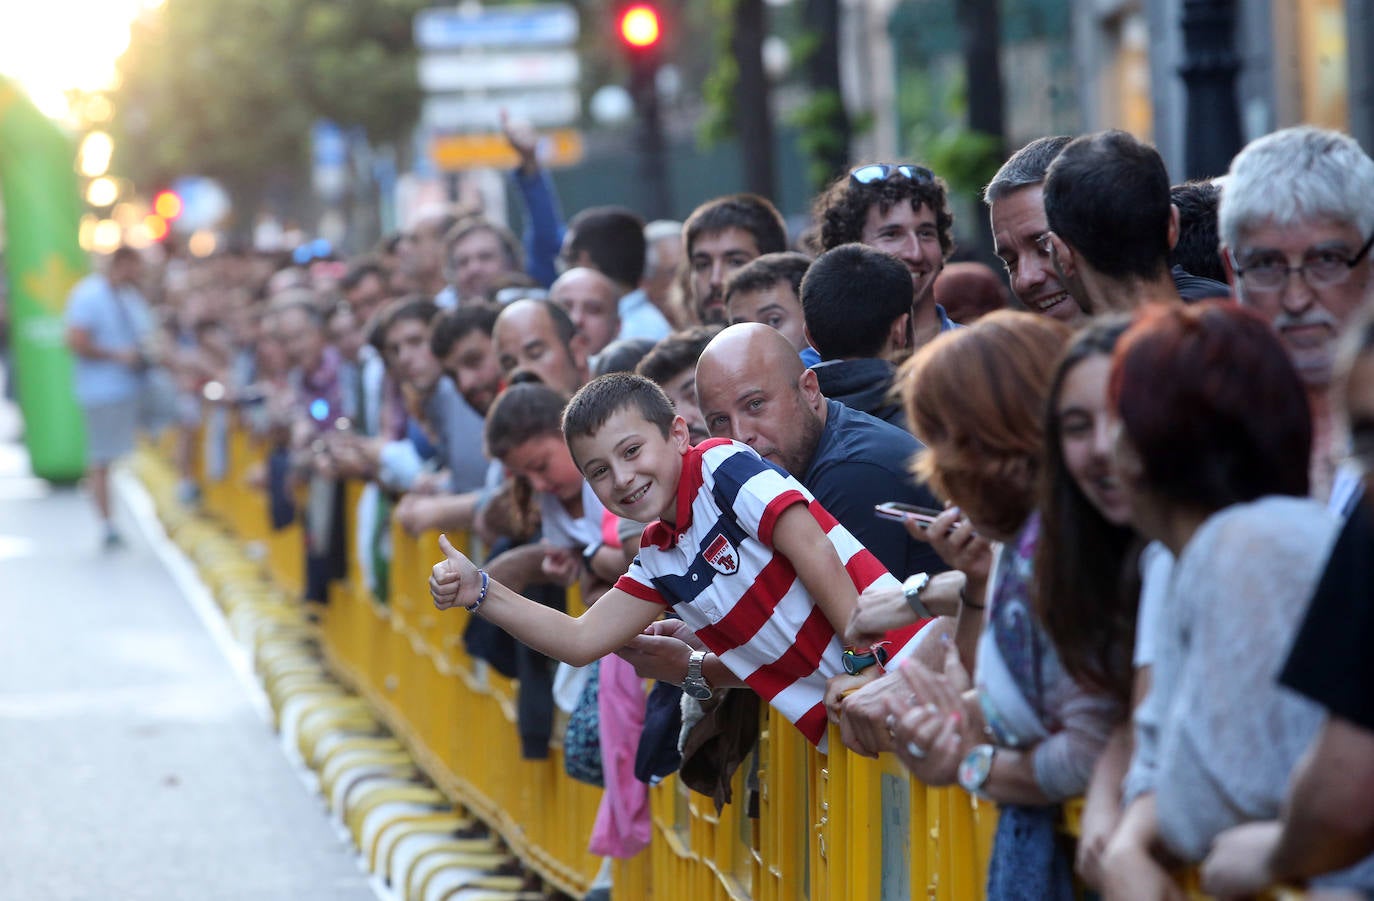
43 258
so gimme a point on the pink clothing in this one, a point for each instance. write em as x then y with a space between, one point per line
622 821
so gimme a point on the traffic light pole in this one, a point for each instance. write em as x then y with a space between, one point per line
653 153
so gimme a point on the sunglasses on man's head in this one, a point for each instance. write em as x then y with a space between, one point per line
876 172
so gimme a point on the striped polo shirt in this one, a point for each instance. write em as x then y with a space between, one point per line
717 569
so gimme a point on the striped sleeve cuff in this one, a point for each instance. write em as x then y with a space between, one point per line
774 509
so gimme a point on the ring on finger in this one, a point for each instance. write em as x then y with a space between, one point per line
915 750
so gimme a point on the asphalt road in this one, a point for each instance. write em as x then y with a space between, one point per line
135 763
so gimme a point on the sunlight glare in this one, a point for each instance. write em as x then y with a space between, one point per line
60 45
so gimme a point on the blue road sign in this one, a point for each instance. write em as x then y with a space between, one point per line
545 25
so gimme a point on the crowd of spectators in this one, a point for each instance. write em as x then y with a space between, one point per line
1130 554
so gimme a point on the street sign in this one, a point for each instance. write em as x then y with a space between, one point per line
454 153
463 112
538 25
442 72
329 158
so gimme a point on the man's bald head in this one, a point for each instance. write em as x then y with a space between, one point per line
752 344
537 336
591 300
752 387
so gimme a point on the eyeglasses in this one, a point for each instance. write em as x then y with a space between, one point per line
1320 268
876 172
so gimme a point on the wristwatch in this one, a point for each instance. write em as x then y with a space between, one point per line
590 551
695 684
975 769
855 661
911 590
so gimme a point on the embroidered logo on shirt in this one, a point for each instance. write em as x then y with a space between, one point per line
722 556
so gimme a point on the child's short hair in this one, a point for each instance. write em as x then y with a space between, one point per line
521 413
606 395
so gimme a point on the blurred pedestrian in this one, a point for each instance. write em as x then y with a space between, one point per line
108 328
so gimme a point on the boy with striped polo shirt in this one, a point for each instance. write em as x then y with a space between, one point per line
738 548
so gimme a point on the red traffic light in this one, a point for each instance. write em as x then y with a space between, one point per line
639 27
167 204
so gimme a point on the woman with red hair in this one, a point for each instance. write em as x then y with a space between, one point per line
1213 449
1028 734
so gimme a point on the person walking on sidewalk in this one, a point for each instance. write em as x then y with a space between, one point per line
108 323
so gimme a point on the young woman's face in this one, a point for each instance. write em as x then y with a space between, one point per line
1085 438
545 461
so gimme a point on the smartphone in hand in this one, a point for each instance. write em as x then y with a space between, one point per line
898 512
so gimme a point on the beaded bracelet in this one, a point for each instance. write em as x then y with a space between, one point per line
481 595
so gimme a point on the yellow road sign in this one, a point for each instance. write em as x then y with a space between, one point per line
454 153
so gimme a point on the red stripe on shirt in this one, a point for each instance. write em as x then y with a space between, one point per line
753 609
774 510
801 659
663 536
639 590
822 516
813 723
864 569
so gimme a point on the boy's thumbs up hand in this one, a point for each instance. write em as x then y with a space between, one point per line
452 576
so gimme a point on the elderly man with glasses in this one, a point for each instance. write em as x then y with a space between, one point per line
902 210
1296 224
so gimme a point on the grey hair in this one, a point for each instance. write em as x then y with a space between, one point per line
1294 176
1026 167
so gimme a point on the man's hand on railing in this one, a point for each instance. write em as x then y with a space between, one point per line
878 611
562 565
841 686
1238 864
661 657
881 609
676 628
430 483
413 513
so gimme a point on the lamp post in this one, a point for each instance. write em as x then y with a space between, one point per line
1209 72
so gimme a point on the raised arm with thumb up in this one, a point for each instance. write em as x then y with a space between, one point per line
453 578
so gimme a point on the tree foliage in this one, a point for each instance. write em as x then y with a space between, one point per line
229 88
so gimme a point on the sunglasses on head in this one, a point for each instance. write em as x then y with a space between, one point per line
876 172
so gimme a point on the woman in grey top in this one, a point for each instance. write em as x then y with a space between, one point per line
1213 450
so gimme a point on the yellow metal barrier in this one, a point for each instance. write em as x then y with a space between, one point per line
829 828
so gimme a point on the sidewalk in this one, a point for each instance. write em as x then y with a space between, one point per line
134 762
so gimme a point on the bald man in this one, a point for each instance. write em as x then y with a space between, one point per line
590 299
538 337
753 387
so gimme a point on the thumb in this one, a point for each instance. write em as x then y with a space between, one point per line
449 550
